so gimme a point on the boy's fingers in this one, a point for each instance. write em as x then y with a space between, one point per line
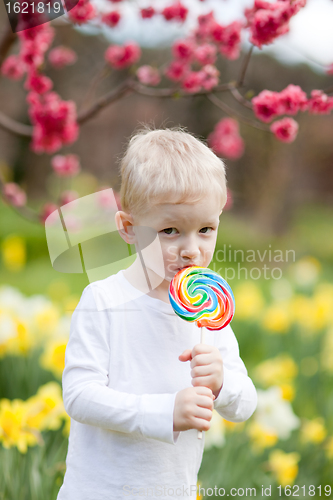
186 355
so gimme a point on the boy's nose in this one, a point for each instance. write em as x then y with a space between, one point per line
191 252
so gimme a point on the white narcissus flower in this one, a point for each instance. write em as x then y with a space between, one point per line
275 413
216 434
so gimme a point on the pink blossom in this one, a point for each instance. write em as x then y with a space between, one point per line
225 139
320 103
266 105
47 210
268 20
291 100
34 43
267 25
183 49
119 56
111 18
68 197
13 67
147 12
38 83
217 31
231 40
66 165
205 54
62 56
82 12
175 11
54 122
192 81
177 70
285 130
14 194
204 30
209 76
148 75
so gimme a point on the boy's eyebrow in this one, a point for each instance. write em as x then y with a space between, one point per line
173 220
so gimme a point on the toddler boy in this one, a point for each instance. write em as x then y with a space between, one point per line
137 383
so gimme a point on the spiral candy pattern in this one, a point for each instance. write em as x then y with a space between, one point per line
202 295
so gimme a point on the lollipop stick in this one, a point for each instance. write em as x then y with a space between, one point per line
202 341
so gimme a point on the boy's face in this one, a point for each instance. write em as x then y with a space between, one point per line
187 232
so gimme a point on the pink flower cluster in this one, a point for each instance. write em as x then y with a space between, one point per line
122 56
285 130
66 165
193 81
54 122
227 38
267 20
268 105
148 75
82 12
176 11
225 139
14 194
61 56
111 18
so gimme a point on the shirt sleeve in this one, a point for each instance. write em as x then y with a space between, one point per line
87 397
237 399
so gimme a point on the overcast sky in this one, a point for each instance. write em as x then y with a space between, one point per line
310 39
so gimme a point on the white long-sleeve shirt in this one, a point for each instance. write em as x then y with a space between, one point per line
121 377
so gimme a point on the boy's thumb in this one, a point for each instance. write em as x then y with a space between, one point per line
186 355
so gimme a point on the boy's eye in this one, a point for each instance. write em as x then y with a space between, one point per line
169 230
208 228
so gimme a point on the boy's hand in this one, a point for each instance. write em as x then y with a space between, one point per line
207 366
193 409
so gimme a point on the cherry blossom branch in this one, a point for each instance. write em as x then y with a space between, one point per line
244 67
142 89
241 99
6 42
122 90
15 127
231 112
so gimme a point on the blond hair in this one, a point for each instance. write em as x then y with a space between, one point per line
168 163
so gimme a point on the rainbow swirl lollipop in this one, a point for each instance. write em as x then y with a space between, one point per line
202 295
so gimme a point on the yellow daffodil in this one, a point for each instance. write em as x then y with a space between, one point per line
249 300
276 371
46 410
14 430
277 317
53 358
313 431
284 466
13 252
261 437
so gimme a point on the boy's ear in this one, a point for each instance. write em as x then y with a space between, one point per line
124 223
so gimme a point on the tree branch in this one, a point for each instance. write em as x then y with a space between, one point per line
6 42
152 92
244 67
121 91
241 99
15 127
231 112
